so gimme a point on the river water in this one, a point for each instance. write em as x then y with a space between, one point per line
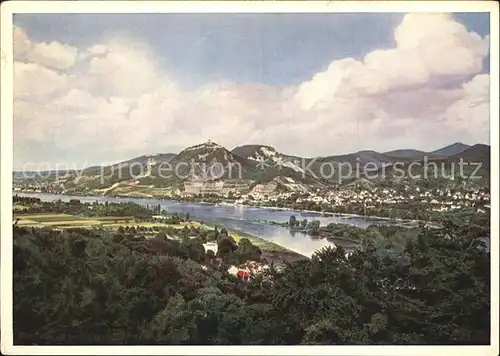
245 219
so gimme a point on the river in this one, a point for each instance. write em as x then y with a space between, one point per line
245 219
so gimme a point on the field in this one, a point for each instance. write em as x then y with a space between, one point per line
70 221
19 207
113 222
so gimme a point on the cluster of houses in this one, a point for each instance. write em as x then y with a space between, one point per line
439 199
242 188
39 188
247 270
196 187
244 271
369 196
436 200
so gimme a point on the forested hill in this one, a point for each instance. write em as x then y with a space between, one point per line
83 286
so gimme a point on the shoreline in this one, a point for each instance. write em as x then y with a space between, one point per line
269 248
266 245
278 249
312 212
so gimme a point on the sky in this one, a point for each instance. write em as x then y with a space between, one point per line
100 88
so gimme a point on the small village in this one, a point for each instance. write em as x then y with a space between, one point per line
301 197
436 200
244 271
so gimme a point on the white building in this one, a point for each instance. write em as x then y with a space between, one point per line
211 246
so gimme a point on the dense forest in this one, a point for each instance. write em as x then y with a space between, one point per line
90 286
76 207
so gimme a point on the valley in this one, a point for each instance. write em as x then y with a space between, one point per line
211 169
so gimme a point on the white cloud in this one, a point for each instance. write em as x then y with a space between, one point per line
325 86
97 50
470 115
53 55
28 119
425 92
429 47
479 87
32 80
444 46
21 41
127 69
76 99
388 70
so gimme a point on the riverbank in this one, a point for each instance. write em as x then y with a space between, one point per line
59 220
269 249
242 221
341 215
139 195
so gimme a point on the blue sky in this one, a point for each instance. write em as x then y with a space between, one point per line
299 82
277 49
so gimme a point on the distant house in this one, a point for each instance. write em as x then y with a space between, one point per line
159 217
193 187
213 187
264 189
233 270
211 246
203 187
235 187
240 273
243 275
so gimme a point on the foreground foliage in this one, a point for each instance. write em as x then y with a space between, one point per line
94 287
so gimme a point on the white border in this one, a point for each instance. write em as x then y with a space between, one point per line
8 8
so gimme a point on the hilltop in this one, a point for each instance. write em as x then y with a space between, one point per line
449 150
452 149
406 153
260 166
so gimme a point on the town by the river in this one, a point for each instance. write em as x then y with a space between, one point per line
249 220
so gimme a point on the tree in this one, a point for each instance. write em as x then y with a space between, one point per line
222 234
210 255
303 223
194 250
292 221
126 289
174 325
247 252
224 247
313 227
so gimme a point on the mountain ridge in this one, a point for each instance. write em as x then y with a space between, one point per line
398 153
452 149
253 163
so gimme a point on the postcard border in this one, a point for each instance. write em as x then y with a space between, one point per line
7 10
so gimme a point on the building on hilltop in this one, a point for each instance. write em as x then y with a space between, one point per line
235 187
265 188
220 187
203 187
